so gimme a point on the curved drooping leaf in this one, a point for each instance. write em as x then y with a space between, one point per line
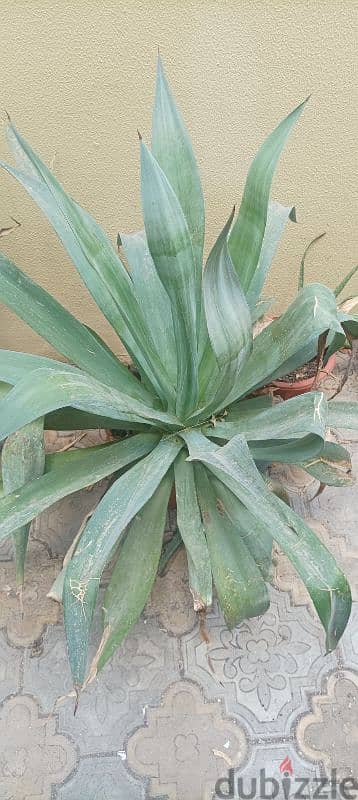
170 246
133 573
275 349
303 419
46 390
192 532
16 366
103 532
66 473
254 534
248 232
22 461
332 466
56 325
325 582
301 277
239 584
152 297
228 320
91 252
171 146
277 216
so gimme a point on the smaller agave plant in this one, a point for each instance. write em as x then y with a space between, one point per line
190 408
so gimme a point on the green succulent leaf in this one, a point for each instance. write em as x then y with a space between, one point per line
325 582
62 330
171 147
254 534
342 285
192 533
152 297
248 232
91 252
133 573
46 390
22 461
301 277
277 216
67 473
332 466
302 419
241 589
228 320
102 534
171 248
278 348
343 414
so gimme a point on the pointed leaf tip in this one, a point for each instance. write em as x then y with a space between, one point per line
140 137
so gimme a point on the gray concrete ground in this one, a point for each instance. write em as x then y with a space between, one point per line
164 720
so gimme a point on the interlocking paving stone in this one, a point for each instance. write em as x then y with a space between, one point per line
186 745
101 778
25 621
264 667
171 600
115 703
34 756
9 668
330 731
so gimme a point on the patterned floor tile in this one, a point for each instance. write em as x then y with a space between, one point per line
33 754
186 745
274 768
9 668
103 778
330 732
264 667
25 621
114 704
348 646
171 600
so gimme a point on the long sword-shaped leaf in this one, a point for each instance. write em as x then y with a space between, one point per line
103 532
16 366
248 232
240 586
91 252
134 573
172 149
303 418
67 473
277 216
313 311
192 533
152 297
63 331
254 534
301 277
228 317
46 390
171 249
22 461
327 585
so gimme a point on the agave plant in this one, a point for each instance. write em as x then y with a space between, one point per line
192 415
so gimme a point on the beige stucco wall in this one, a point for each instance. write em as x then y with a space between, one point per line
77 77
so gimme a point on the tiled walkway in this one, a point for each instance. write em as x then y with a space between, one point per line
170 715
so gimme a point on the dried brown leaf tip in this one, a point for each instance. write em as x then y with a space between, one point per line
10 228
